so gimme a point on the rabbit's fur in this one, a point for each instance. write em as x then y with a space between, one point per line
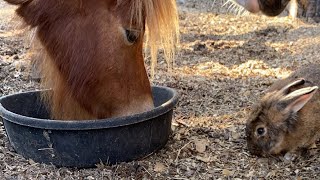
288 117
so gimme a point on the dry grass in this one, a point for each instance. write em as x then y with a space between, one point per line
225 63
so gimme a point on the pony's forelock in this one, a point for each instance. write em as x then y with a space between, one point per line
162 27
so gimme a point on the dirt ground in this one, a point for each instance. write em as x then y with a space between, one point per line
224 64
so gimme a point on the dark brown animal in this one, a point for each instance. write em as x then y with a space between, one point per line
267 7
288 117
93 52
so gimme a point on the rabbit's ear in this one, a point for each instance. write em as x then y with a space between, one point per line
297 99
286 89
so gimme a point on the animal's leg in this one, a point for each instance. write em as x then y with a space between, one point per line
317 13
293 8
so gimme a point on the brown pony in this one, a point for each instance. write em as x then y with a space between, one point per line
93 52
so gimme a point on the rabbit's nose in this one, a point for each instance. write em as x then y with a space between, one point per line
254 150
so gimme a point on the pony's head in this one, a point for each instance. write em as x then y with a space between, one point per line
94 52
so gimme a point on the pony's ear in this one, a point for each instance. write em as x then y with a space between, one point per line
16 2
297 99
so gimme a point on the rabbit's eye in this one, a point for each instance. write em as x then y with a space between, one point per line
261 131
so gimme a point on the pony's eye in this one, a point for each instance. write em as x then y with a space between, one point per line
132 36
261 131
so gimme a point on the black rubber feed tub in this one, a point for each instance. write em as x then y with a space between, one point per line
85 143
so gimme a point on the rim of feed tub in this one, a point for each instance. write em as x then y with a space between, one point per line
89 124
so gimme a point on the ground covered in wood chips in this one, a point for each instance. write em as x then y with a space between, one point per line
224 64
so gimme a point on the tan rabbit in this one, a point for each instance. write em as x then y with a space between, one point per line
288 116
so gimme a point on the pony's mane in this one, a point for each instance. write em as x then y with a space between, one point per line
162 27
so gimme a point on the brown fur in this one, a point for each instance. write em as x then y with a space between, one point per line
93 71
285 130
304 4
272 7
267 7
